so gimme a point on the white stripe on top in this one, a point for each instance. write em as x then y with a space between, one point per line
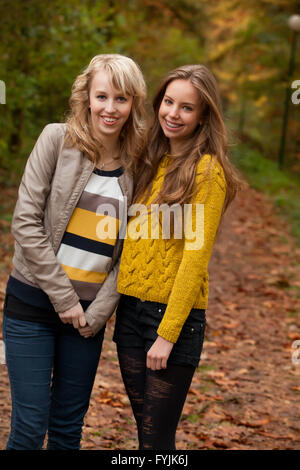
77 258
106 186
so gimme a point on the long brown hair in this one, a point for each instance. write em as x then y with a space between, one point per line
125 75
209 137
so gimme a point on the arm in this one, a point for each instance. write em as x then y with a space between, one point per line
27 224
193 267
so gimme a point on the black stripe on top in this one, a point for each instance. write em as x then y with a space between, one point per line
118 172
86 244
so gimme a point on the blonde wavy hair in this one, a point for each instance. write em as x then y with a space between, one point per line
210 137
126 76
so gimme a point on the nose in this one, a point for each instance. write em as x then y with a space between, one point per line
110 106
174 112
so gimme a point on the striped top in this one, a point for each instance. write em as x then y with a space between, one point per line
86 248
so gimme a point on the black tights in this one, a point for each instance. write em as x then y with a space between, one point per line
157 397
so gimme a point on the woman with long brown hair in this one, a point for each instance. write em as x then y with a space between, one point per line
62 289
185 178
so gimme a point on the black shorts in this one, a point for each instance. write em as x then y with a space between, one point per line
137 322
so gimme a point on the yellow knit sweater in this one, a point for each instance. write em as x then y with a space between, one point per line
174 271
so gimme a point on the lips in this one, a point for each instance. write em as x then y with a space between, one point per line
172 125
109 121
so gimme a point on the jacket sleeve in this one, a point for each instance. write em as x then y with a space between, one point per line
193 267
106 301
27 223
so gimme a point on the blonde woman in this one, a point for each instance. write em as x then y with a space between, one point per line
62 289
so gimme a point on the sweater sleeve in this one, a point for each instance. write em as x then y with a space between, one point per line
205 217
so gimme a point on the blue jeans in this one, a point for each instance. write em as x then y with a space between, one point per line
51 371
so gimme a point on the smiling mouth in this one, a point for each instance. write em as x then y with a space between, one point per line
172 125
109 120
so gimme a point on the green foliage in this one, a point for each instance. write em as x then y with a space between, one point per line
283 187
45 45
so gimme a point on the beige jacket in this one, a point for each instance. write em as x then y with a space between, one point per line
53 180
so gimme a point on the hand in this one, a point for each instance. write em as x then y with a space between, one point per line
159 353
86 331
74 315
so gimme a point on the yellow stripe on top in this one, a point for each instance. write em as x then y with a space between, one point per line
95 227
77 274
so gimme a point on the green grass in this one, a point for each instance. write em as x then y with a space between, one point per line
97 433
205 367
282 186
294 314
195 417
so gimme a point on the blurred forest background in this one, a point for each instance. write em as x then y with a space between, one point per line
245 394
44 45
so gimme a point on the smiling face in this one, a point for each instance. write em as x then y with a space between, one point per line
110 108
180 111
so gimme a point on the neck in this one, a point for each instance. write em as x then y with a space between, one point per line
110 148
109 151
110 145
109 154
175 147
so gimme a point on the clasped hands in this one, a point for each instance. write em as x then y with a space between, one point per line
75 316
157 355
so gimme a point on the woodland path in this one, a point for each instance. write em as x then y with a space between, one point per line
246 391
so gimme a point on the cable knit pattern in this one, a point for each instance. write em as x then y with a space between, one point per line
168 270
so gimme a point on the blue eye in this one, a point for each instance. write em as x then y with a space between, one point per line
187 108
101 97
122 99
167 101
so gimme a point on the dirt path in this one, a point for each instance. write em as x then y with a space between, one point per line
245 393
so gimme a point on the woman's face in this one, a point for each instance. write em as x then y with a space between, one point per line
110 108
180 110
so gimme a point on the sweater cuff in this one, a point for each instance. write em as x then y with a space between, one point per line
169 335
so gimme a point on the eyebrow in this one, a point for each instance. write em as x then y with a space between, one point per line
186 102
104 92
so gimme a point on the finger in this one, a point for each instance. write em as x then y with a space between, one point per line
155 364
82 320
75 322
84 331
148 361
64 319
164 363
